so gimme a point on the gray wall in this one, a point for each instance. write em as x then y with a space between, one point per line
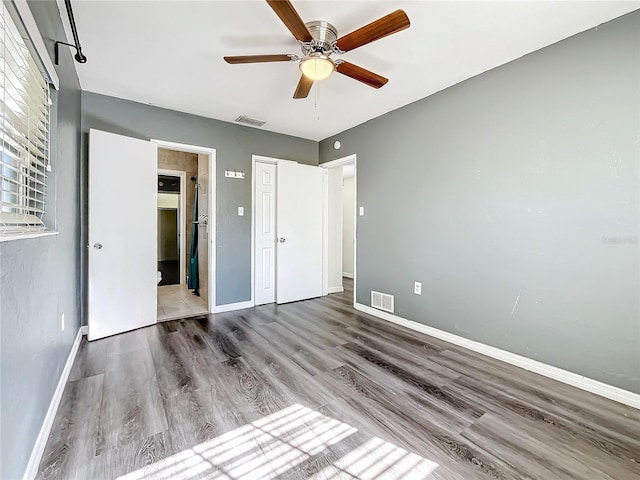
517 186
39 278
234 146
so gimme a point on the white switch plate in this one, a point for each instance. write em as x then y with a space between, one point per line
240 211
361 211
62 322
417 288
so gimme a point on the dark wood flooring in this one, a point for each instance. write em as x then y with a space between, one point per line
314 389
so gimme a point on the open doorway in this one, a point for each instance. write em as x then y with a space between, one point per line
340 222
171 227
185 178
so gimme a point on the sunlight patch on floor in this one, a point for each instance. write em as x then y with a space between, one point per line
274 444
377 460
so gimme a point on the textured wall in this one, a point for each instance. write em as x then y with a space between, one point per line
234 146
39 278
513 197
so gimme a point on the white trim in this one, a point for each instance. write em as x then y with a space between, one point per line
36 39
182 218
325 233
211 196
335 290
339 162
212 223
41 441
260 158
182 147
229 307
584 383
24 236
353 158
84 330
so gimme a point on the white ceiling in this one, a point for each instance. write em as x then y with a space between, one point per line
169 53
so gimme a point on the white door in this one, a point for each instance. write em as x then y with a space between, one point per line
299 213
122 233
265 233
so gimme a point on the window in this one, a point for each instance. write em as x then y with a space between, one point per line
24 130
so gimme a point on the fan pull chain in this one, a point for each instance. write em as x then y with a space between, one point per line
317 99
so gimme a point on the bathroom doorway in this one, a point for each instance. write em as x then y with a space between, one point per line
183 233
171 236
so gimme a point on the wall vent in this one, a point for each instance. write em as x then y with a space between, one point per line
382 301
250 121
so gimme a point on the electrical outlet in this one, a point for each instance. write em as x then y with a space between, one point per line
361 211
62 322
241 211
417 288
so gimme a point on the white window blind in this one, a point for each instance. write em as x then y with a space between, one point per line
24 130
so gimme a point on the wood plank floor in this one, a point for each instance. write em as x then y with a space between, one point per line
317 390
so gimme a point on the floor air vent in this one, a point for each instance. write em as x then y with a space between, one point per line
250 121
382 301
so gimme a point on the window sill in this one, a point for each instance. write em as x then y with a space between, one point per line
24 236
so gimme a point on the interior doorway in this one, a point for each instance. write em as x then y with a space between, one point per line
340 221
186 230
172 259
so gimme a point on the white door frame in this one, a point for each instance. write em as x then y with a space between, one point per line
182 216
211 207
340 162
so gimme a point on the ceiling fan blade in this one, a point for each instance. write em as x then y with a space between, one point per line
260 58
387 25
303 88
361 74
284 9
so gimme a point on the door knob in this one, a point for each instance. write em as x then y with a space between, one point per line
282 239
97 246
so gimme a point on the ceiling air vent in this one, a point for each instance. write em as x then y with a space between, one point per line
250 121
382 301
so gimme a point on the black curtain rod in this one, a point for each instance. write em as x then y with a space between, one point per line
79 56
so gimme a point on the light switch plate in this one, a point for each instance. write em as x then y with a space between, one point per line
240 211
361 211
417 288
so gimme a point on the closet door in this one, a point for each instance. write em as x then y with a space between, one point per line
122 234
265 233
299 227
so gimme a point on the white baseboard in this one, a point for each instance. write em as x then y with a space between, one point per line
564 376
38 448
84 329
335 290
348 275
229 307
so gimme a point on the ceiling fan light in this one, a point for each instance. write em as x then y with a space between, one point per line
317 66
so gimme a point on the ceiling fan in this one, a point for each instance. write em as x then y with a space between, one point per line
319 39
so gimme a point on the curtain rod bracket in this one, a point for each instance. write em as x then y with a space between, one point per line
79 56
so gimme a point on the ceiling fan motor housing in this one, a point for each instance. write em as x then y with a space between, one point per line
324 37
